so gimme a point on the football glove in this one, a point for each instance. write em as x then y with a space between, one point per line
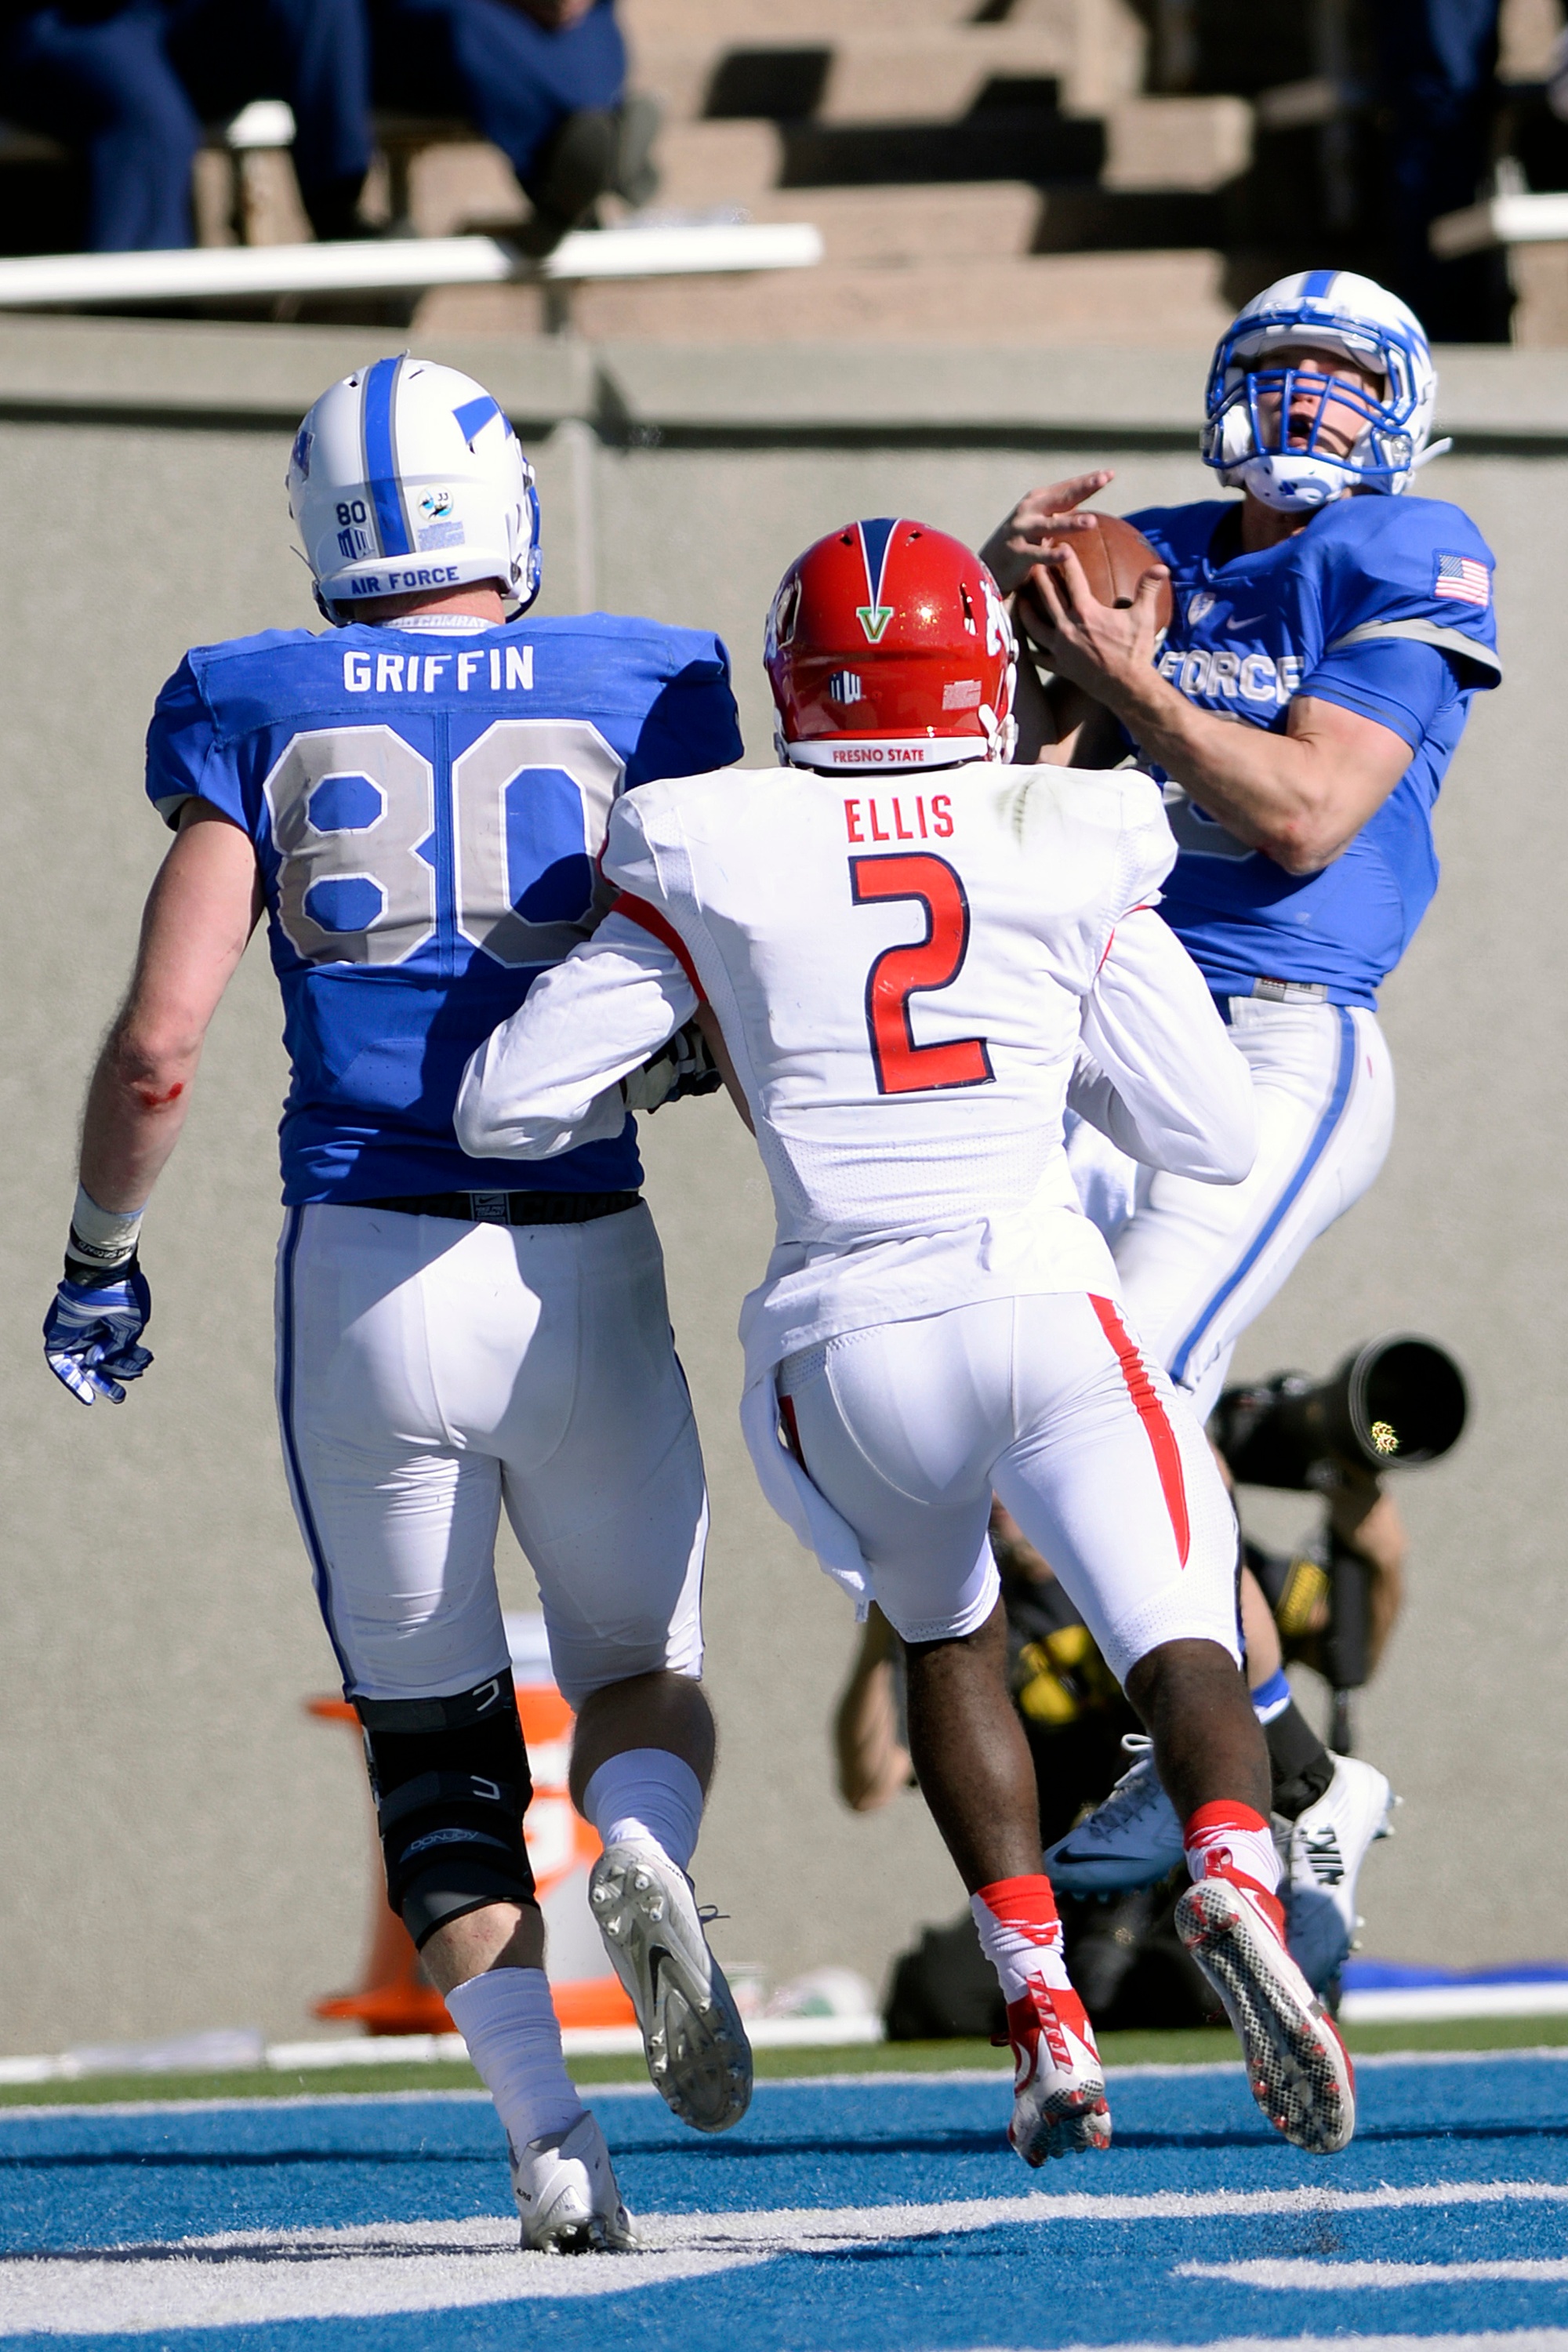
683 1066
90 1334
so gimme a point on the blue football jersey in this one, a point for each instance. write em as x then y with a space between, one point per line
427 810
1381 604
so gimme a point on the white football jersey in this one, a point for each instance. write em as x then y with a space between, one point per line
907 973
898 969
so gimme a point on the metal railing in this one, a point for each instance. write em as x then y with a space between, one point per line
405 265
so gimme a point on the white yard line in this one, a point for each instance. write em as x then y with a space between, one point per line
1511 2339
251 2277
1341 2278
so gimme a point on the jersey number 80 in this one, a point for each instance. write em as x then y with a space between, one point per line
375 848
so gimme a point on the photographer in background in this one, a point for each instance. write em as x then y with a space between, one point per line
1122 1950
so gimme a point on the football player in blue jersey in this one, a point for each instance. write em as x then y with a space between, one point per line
415 797
1328 636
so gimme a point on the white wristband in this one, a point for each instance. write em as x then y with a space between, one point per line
103 1237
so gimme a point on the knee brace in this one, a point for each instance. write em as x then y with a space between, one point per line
450 1780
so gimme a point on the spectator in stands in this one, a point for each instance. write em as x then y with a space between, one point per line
133 82
1436 78
543 80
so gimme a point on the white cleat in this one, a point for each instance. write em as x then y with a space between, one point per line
1059 2085
566 2193
1131 1839
1322 1854
699 2058
1298 2067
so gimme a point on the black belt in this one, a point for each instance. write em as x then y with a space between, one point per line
509 1208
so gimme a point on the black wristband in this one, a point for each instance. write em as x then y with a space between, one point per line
91 1274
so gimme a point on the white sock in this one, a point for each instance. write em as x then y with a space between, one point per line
506 2019
1020 1933
647 1796
1221 1837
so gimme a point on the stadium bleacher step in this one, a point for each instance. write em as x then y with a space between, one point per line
918 74
988 300
913 228
920 137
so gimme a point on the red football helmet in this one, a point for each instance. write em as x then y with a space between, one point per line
888 646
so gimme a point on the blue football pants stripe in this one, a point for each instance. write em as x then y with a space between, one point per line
1343 1075
321 1575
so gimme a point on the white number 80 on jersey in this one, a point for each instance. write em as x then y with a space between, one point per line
375 848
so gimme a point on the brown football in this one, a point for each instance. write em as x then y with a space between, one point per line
1114 558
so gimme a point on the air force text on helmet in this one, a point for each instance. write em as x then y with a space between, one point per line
496 670
402 584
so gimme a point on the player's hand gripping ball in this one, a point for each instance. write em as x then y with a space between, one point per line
90 1335
1114 557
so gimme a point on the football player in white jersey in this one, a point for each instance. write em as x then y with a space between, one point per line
1329 636
414 797
908 949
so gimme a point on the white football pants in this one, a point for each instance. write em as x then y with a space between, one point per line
431 1372
1198 1262
909 1428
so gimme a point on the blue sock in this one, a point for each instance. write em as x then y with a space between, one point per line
1272 1697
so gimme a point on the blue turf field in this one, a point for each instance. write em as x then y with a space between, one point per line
877 2215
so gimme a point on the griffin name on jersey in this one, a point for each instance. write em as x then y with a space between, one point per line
427 809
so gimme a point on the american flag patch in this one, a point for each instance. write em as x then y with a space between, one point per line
1463 579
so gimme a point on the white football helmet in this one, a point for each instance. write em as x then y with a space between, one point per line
408 476
1337 314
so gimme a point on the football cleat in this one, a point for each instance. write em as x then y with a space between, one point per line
1298 2069
1321 1852
1131 1839
566 2193
1059 2085
699 2058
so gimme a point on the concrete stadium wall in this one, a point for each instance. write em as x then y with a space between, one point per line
180 1845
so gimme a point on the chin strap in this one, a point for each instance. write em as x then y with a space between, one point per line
1433 449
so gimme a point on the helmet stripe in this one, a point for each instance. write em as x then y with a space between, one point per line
874 538
474 415
381 460
1319 284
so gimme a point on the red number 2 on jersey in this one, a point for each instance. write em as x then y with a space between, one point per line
903 1067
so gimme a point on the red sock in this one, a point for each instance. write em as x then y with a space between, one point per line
1229 1840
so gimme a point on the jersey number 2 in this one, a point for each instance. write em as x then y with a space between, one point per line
903 1067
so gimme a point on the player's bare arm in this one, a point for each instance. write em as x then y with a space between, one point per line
200 914
1300 797
873 1764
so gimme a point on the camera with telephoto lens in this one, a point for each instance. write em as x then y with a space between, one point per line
1396 1402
